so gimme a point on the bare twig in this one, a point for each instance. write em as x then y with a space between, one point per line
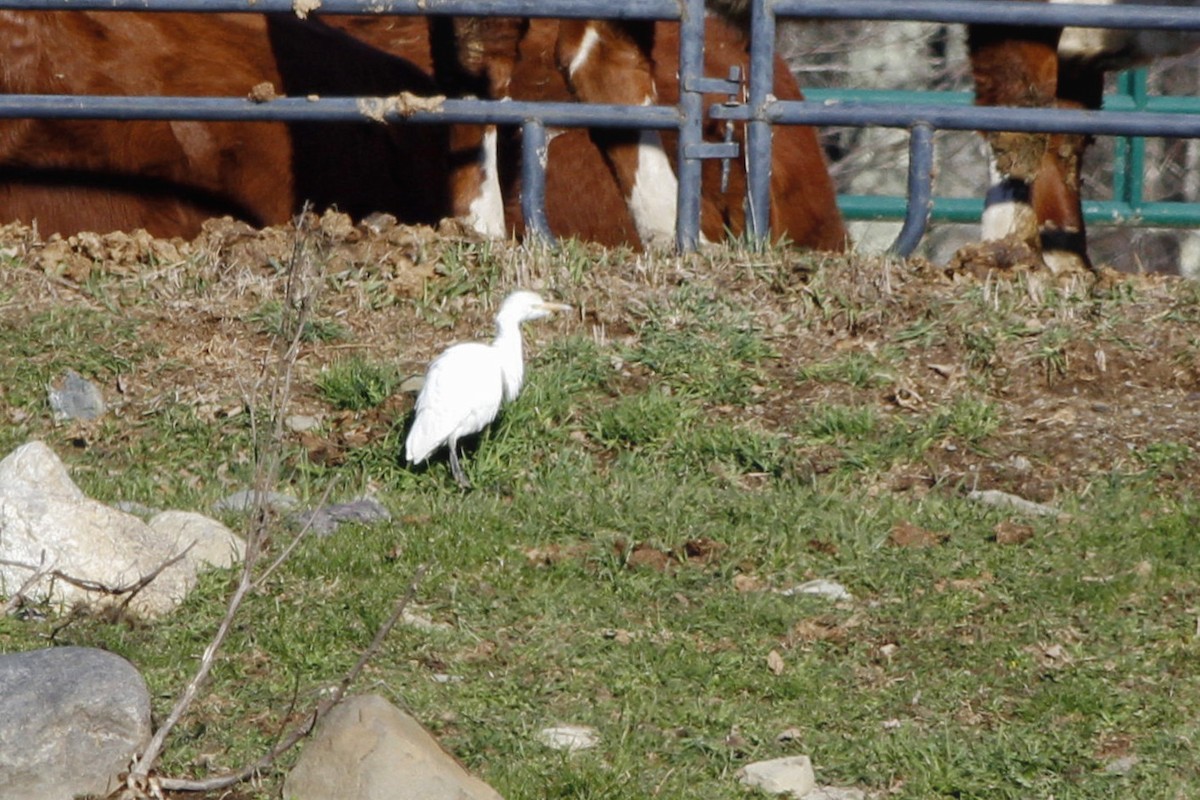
305 726
131 589
19 596
301 290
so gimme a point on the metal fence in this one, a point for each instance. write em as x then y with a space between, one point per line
760 112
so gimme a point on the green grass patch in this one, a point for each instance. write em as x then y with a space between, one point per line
639 516
356 384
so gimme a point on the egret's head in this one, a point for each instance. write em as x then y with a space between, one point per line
523 306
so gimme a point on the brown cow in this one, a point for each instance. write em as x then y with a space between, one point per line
168 177
1035 198
623 63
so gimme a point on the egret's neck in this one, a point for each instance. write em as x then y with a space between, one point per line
509 350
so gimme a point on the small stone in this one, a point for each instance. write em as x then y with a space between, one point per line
1122 765
299 423
412 384
791 775
569 737
830 590
76 398
325 520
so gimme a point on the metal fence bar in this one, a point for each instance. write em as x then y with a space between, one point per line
567 9
1157 214
691 126
535 153
758 128
984 118
920 190
337 109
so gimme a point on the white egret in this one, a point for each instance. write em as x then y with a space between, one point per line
466 384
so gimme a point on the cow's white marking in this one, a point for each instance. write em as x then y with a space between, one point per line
486 212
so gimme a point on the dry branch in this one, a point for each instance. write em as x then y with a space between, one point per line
302 284
130 590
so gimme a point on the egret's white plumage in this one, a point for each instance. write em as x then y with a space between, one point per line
465 386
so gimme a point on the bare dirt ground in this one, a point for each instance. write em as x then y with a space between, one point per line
1089 374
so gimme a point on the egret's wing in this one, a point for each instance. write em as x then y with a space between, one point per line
461 395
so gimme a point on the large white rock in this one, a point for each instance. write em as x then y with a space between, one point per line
71 720
43 513
368 749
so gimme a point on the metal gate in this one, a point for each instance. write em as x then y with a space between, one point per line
760 112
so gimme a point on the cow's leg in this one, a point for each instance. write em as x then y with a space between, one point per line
608 62
1014 66
475 57
1056 191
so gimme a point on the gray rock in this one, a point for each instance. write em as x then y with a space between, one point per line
325 520
71 719
301 422
830 590
790 775
48 524
76 398
368 749
995 497
246 499
411 384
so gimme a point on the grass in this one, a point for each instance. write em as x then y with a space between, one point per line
638 511
356 384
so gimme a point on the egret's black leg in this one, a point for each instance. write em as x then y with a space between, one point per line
456 468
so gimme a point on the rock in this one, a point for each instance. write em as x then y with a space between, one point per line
245 500
830 590
325 520
411 384
792 774
135 508
76 398
211 542
569 737
993 497
301 422
368 749
49 524
71 720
